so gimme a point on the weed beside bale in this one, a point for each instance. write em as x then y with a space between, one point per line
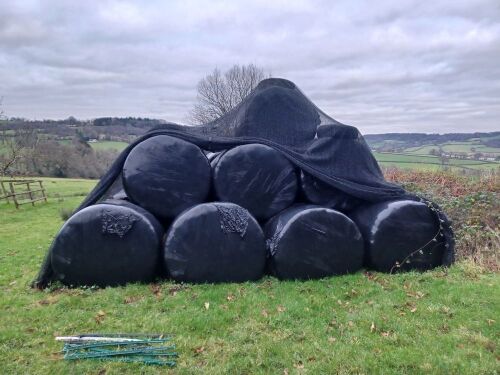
471 202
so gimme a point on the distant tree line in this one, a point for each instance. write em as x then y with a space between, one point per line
26 154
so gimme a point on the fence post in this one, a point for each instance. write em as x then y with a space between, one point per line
13 195
30 193
4 192
43 191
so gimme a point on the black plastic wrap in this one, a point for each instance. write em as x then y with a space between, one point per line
276 114
310 242
257 178
401 235
166 175
215 242
318 192
107 244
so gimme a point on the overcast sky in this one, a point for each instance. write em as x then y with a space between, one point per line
383 66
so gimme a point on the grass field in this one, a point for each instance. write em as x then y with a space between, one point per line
108 145
439 322
414 160
419 158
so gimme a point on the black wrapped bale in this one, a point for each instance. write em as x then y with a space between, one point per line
310 242
107 244
215 242
166 175
400 235
322 194
257 178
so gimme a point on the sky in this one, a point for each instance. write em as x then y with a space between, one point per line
382 66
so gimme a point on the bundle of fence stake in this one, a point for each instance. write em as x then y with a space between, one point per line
151 349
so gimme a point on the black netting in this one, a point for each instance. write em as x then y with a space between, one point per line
278 115
233 219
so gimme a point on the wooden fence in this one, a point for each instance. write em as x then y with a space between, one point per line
22 191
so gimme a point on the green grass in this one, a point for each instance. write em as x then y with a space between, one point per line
439 322
108 145
102 145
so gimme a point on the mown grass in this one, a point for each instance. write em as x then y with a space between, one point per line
439 322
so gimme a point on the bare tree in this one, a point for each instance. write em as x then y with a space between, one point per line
16 148
219 92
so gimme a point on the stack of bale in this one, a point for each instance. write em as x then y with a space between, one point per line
232 216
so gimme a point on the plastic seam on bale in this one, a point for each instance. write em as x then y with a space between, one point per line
116 224
271 243
233 219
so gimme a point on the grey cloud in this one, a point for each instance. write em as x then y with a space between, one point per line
389 66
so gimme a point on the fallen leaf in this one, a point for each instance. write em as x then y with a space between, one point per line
100 316
48 301
385 334
299 365
264 313
230 297
207 305
156 289
416 295
413 309
332 339
285 371
177 288
199 350
372 327
281 309
490 321
131 299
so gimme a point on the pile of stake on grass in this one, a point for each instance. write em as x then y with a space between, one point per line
147 349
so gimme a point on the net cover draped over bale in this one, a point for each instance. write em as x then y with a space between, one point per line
278 115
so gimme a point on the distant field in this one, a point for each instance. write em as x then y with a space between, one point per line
429 162
102 145
470 146
108 145
419 157
421 150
